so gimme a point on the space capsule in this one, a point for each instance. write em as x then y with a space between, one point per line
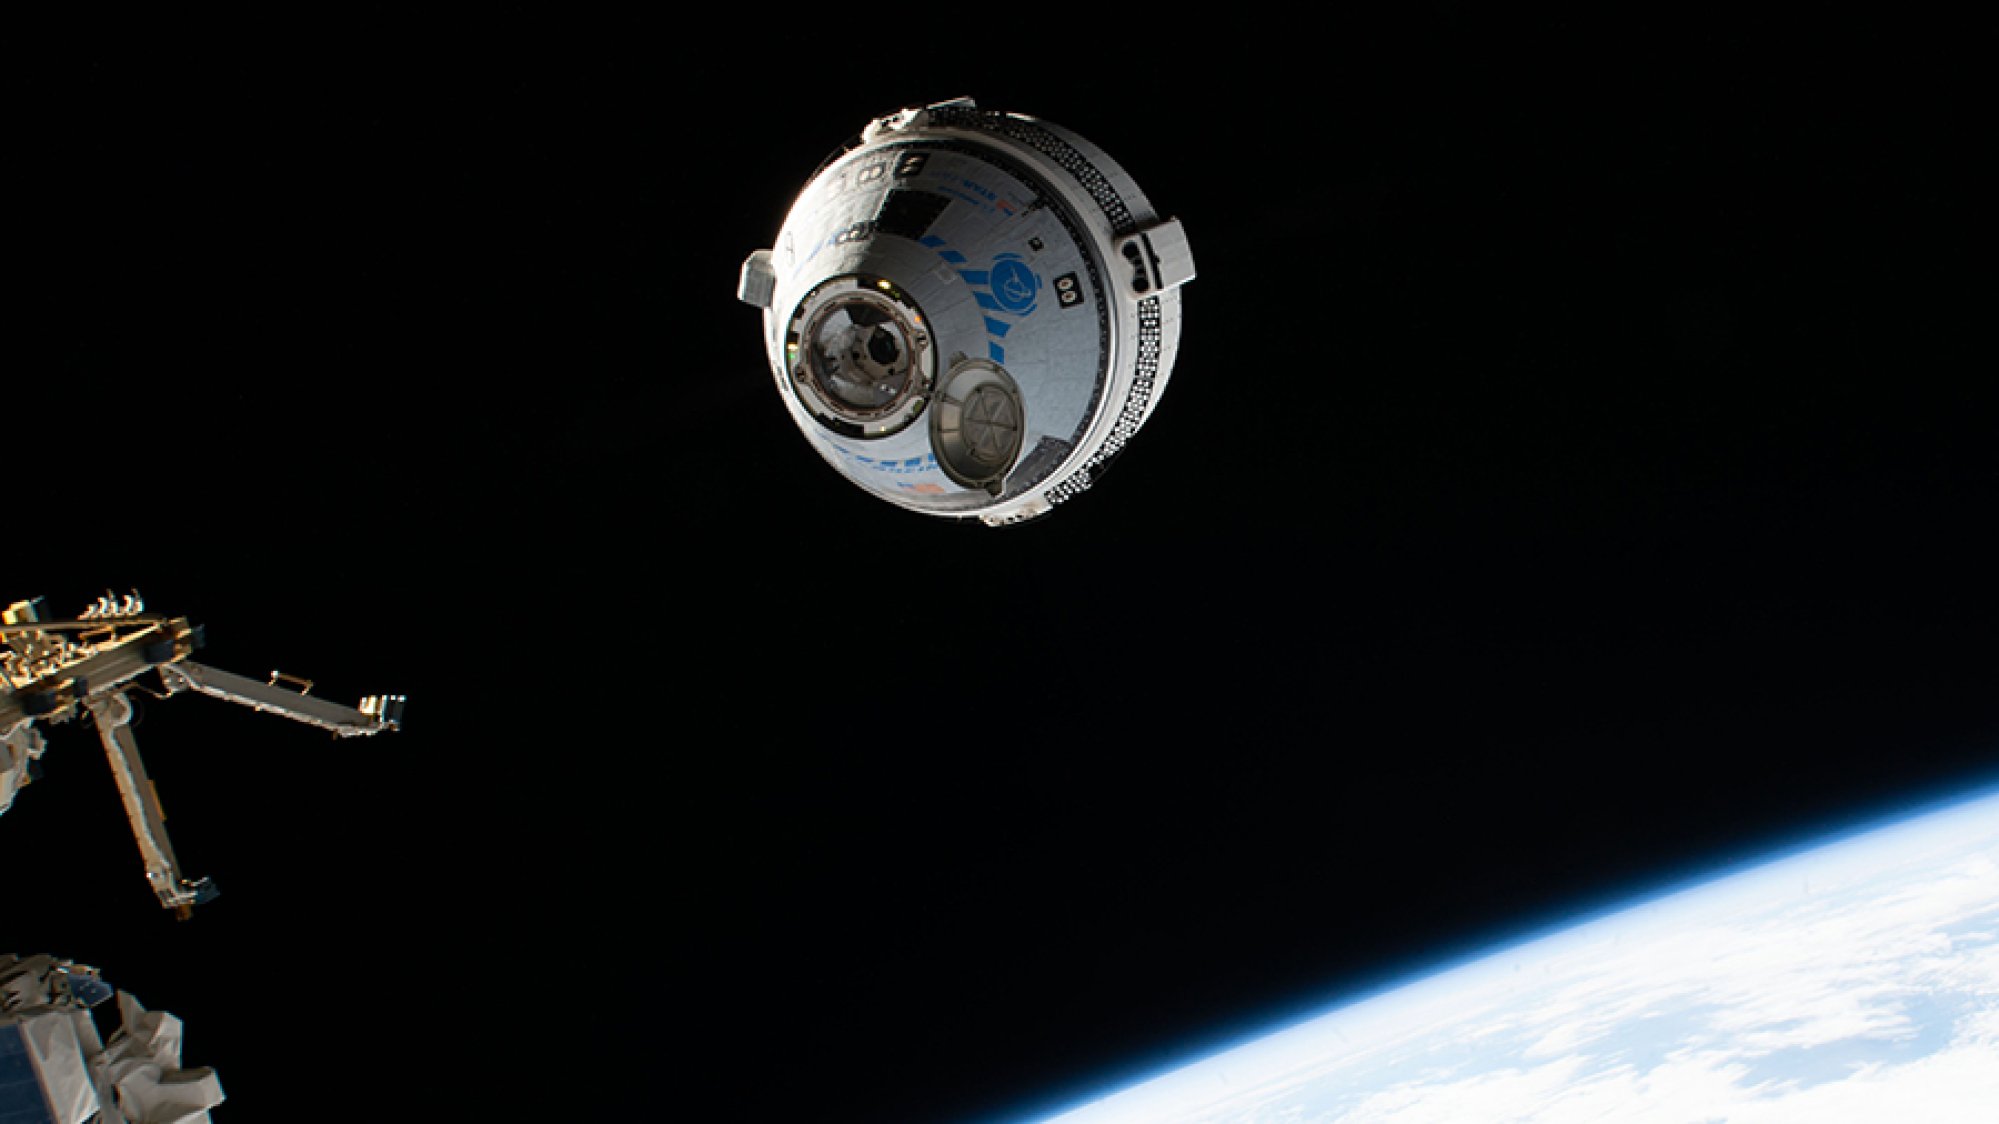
968 313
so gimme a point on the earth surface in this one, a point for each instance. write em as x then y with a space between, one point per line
1852 980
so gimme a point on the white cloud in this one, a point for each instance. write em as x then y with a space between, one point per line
1682 1011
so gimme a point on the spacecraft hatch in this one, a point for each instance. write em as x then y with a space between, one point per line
968 313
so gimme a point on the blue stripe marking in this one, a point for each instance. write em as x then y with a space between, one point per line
976 277
952 256
997 327
932 241
997 352
986 301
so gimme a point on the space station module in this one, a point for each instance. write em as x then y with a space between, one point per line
55 1069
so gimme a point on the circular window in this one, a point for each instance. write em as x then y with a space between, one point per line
860 356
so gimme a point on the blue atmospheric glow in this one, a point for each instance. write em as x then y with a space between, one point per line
1833 882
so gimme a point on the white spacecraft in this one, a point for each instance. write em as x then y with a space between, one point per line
969 313
55 670
55 1068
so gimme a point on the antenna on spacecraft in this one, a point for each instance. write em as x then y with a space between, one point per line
53 670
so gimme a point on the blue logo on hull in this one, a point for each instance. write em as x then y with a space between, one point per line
1010 286
1014 284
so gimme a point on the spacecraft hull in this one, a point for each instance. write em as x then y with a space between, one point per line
968 313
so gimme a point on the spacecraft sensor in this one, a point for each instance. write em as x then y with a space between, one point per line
969 313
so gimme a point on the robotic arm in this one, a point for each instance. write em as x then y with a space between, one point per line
54 670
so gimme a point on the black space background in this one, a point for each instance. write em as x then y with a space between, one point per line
1578 473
